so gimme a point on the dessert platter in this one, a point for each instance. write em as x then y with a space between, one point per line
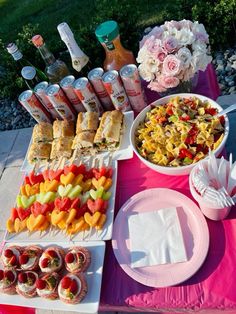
90 136
72 201
51 276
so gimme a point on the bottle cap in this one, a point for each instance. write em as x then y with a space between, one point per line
37 40
11 48
64 31
107 31
28 73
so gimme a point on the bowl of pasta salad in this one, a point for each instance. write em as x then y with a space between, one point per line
173 133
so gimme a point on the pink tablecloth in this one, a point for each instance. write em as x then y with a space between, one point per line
213 287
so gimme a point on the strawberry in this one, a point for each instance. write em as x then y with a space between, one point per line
9 275
69 258
8 253
13 260
23 212
88 174
22 277
52 253
31 277
36 209
40 284
72 168
44 263
80 257
1 274
34 178
23 259
73 286
66 282
14 214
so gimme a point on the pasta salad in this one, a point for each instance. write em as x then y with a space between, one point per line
180 132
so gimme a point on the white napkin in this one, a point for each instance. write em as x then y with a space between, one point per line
156 238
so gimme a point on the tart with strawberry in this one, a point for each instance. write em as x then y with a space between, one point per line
10 256
77 259
26 284
8 279
72 288
51 260
47 285
29 259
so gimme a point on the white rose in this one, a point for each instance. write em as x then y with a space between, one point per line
185 37
200 61
184 54
143 55
199 47
145 73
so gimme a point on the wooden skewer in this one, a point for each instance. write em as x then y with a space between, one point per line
73 156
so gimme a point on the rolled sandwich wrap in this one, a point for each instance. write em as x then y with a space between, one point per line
8 279
61 147
51 260
72 288
26 284
87 121
63 128
39 151
77 259
47 286
108 135
42 132
29 259
83 141
10 256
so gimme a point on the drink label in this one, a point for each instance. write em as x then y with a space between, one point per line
109 45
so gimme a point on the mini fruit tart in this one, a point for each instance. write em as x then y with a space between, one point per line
29 259
77 259
10 256
51 260
72 288
8 279
26 284
47 286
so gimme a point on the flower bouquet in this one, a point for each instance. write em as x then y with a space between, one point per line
171 54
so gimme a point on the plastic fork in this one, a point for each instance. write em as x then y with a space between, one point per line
230 108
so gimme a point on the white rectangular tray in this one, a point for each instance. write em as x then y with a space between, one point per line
124 152
93 276
59 236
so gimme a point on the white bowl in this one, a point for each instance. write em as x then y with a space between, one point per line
181 170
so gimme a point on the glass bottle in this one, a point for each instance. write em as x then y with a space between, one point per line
30 76
55 68
22 62
78 57
116 55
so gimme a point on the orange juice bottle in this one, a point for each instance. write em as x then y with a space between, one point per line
116 55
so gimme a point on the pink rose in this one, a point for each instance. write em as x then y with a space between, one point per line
156 86
171 65
160 54
170 44
168 81
157 32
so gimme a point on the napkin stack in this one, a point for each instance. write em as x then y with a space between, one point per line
156 238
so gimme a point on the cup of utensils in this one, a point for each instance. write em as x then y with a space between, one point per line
213 185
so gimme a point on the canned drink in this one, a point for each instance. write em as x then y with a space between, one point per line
40 92
60 102
67 85
116 90
86 94
31 103
132 83
95 77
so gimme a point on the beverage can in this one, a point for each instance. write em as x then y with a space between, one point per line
132 83
86 94
116 90
95 77
67 85
60 102
31 103
40 92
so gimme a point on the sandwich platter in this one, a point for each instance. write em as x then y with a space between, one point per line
123 152
92 277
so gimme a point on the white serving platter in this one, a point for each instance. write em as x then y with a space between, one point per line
93 276
59 236
125 150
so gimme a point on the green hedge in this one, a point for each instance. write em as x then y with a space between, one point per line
133 17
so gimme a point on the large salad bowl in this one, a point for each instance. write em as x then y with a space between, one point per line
179 169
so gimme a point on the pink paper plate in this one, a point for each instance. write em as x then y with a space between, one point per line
194 229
